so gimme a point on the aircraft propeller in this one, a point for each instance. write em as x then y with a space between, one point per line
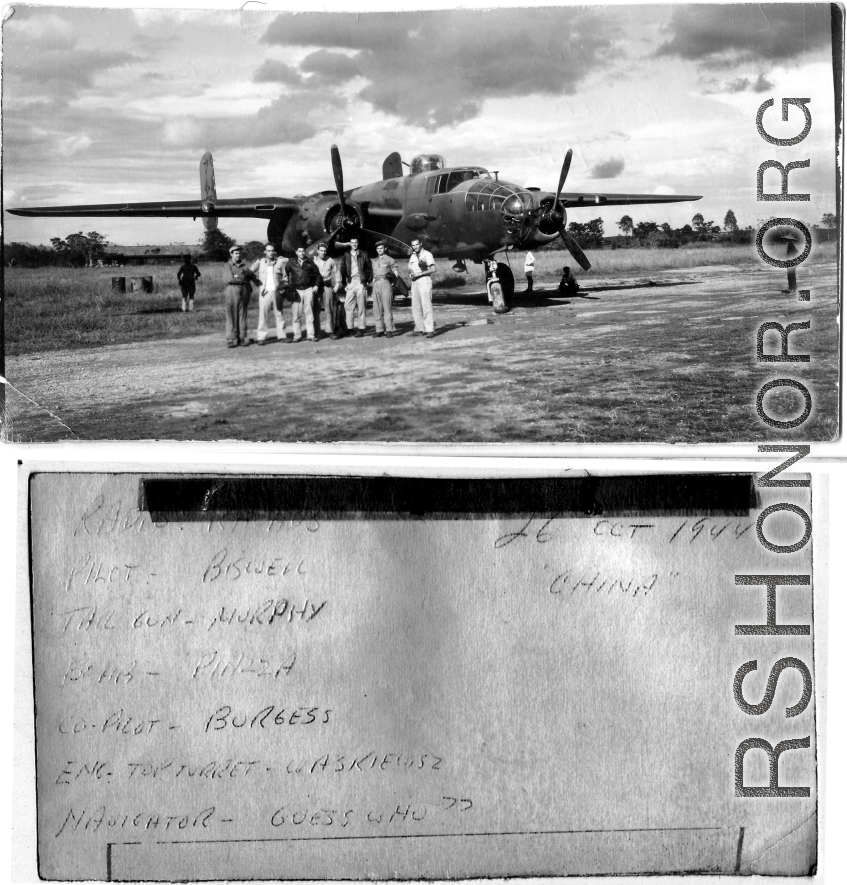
338 175
575 250
557 219
344 220
566 165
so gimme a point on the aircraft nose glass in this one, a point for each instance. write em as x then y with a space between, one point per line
517 204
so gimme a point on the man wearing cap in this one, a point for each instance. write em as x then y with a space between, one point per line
237 297
384 273
422 270
303 276
270 270
329 276
355 275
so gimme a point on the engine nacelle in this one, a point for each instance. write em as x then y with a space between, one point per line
210 220
320 215
550 224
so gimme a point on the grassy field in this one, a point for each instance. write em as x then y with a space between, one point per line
57 308
637 262
648 355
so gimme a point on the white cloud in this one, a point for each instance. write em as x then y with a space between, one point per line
135 131
152 19
47 31
72 145
182 131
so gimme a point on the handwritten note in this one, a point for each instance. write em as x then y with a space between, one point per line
404 698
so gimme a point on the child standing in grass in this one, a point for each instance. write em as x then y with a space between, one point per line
186 275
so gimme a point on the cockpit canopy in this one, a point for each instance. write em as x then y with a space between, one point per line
441 184
426 163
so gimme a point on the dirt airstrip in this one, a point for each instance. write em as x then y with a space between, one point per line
669 359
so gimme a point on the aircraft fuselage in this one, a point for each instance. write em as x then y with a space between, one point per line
461 212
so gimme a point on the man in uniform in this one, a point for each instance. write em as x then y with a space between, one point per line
356 274
237 297
270 270
303 276
422 270
384 274
329 277
186 275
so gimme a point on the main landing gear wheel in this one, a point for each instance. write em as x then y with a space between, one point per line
503 302
498 302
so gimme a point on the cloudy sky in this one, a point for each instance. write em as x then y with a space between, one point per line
105 105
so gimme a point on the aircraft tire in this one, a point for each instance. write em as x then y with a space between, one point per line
507 281
497 298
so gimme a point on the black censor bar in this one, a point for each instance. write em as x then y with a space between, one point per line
206 498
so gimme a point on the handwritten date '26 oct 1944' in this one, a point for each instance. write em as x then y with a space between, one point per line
576 581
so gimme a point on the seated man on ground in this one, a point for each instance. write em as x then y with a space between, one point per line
568 286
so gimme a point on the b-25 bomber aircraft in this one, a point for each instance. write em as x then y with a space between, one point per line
460 213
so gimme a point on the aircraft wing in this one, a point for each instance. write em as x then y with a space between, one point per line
246 207
598 198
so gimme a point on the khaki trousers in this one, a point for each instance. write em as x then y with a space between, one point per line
422 305
267 301
303 310
236 299
382 305
355 301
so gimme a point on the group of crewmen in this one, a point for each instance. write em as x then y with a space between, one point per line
340 287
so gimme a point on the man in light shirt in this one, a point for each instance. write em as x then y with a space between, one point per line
529 269
422 270
270 269
329 276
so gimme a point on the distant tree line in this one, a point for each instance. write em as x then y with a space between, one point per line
25 255
83 250
76 250
591 235
649 233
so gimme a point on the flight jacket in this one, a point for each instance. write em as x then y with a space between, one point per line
365 268
302 276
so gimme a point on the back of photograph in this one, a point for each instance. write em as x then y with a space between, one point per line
351 678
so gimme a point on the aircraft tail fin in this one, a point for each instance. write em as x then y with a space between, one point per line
392 167
208 194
